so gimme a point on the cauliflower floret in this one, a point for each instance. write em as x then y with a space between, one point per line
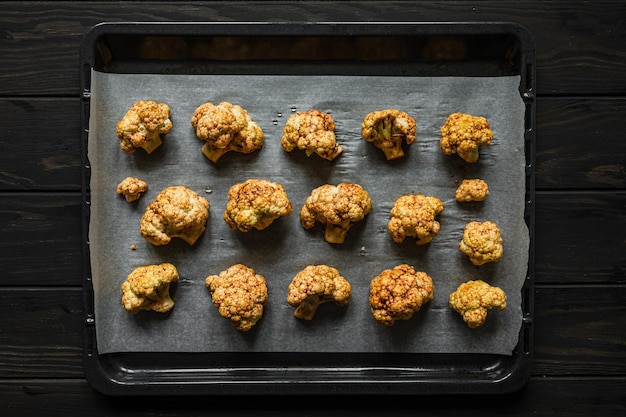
387 130
132 188
240 294
256 204
463 134
473 299
148 288
472 190
414 216
398 293
176 211
312 131
314 285
143 125
482 242
226 127
336 207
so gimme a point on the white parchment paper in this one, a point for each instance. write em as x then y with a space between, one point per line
285 248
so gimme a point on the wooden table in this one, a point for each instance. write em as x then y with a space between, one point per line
580 280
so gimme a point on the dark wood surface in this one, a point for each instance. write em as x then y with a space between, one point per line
579 366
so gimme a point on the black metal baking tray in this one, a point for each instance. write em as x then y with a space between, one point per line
338 48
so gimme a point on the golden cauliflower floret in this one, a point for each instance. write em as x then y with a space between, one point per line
337 207
414 216
226 127
256 204
142 126
462 134
315 285
482 242
388 130
398 293
473 299
131 188
148 288
472 190
312 131
176 211
239 294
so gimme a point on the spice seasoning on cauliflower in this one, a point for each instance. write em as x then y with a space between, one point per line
148 288
472 190
482 242
388 130
239 294
337 208
315 285
312 131
462 134
414 216
142 126
256 204
473 299
226 127
131 188
398 293
177 211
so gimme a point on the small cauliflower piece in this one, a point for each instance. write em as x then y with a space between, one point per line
177 211
226 127
142 126
148 288
315 285
337 208
312 131
462 134
398 293
388 130
131 188
473 299
414 216
256 204
472 190
482 242
239 294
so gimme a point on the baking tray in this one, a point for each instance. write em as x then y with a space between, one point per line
403 49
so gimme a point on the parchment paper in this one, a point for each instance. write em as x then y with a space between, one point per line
280 251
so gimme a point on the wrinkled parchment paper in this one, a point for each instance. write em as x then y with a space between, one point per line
283 249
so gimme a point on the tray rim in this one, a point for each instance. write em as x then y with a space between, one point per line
346 380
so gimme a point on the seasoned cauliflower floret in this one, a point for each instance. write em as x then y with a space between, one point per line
226 127
312 131
256 204
131 188
473 299
414 216
387 130
148 288
314 285
336 207
462 134
472 190
177 211
239 294
398 293
142 126
482 242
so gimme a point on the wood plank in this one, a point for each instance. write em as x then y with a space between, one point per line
580 238
42 331
563 397
46 156
580 48
576 143
41 239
